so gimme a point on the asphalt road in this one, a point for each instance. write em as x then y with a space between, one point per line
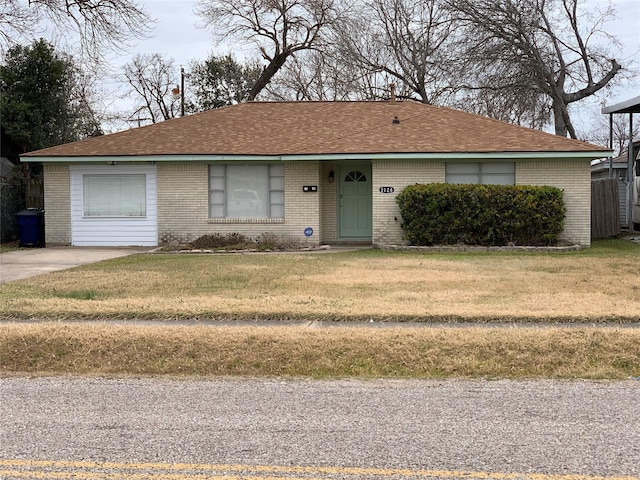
258 429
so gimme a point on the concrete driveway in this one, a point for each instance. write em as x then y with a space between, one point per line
36 261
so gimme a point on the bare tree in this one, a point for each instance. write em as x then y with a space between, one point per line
15 20
528 60
410 41
321 76
277 28
84 102
598 132
153 83
100 23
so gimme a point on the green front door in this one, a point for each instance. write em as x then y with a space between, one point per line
354 201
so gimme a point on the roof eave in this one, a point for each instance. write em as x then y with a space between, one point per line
590 154
454 156
628 106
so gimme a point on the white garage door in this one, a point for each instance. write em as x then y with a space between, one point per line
114 205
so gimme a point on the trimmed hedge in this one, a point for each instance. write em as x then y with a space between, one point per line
489 215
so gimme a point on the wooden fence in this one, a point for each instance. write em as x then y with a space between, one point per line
34 196
605 208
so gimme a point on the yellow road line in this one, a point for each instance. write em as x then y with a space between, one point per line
33 468
134 476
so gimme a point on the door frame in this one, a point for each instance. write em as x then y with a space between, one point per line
342 169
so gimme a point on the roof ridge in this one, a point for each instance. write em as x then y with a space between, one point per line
298 102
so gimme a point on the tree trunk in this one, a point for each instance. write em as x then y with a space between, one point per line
562 121
267 74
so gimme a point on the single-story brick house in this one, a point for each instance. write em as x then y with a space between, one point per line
321 172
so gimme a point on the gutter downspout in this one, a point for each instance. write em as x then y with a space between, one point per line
630 179
611 144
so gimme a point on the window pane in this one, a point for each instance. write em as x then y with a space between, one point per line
497 173
462 173
115 195
217 183
463 178
217 210
277 211
216 191
503 168
277 183
277 197
498 179
247 191
217 197
276 191
216 170
277 170
463 168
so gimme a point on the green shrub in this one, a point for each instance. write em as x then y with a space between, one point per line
440 213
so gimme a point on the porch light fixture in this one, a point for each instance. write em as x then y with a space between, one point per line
332 176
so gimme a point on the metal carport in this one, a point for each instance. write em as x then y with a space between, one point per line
630 107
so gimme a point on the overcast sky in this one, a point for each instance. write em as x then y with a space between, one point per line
177 36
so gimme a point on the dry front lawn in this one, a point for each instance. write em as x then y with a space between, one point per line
600 285
596 285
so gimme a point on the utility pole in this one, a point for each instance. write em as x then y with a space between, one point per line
181 91
139 120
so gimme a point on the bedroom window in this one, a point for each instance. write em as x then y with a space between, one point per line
246 191
498 173
114 195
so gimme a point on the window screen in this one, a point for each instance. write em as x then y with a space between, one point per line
115 195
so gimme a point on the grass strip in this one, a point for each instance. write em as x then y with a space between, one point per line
319 352
598 286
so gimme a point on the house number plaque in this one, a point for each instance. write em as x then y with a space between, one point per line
387 190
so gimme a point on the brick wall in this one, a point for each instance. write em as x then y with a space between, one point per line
574 178
397 174
183 205
57 204
329 202
183 210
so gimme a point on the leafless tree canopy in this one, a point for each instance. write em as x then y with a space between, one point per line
277 28
100 23
410 41
528 60
152 84
321 76
599 132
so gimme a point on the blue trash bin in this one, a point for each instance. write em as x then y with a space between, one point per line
31 227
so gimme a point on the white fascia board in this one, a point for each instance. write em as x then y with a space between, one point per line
628 106
455 156
150 158
326 157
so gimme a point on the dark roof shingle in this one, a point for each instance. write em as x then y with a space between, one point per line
312 128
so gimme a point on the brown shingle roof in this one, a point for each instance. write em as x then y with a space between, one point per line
301 128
